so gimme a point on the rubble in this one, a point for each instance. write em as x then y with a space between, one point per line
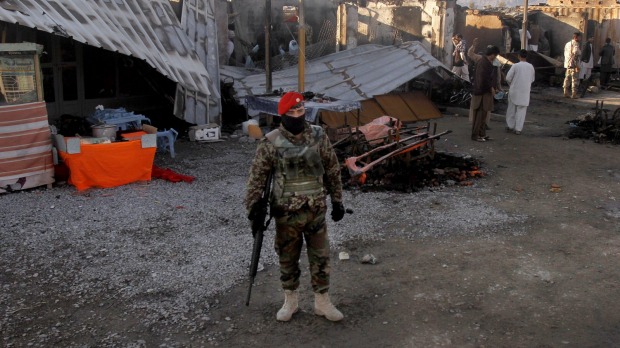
597 125
404 160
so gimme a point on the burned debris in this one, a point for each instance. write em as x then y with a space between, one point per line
598 125
401 158
408 173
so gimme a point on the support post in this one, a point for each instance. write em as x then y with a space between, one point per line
342 28
524 31
301 41
268 82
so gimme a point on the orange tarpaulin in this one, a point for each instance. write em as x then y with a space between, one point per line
109 165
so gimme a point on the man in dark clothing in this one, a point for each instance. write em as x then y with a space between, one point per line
485 85
587 60
607 54
536 34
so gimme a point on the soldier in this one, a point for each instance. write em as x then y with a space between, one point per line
305 170
572 52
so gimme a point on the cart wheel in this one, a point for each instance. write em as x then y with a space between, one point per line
615 119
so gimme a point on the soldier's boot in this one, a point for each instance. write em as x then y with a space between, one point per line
574 95
290 307
566 94
324 307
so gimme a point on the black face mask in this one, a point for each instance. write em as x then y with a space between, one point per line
294 125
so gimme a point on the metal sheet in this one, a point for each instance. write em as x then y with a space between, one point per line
407 107
420 104
145 29
394 105
198 23
356 74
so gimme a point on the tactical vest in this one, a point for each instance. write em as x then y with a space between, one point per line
299 168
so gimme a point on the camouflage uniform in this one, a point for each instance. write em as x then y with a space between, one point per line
301 214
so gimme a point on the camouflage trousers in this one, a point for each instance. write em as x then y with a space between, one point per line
291 230
571 80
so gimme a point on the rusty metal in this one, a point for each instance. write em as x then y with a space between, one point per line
359 172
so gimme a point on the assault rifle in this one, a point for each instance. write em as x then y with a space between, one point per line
259 226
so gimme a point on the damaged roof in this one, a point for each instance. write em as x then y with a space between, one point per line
145 29
355 74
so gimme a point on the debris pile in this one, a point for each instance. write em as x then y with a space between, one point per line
597 125
404 160
442 169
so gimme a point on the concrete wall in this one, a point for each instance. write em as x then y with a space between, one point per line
382 22
581 3
561 22
486 27
389 22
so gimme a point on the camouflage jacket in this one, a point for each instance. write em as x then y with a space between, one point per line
266 159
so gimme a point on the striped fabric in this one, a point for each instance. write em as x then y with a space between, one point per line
25 147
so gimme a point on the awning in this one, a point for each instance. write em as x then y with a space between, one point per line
407 107
145 29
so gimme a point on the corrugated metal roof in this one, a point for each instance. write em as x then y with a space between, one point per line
145 29
355 74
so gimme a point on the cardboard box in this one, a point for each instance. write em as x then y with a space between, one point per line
205 132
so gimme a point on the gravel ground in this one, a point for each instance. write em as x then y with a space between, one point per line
166 249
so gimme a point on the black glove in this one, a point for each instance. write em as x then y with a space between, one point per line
337 211
257 217
257 211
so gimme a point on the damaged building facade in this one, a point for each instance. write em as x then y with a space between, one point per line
558 20
345 25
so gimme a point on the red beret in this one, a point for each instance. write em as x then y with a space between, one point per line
289 100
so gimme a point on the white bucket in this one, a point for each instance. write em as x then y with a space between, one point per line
105 130
244 125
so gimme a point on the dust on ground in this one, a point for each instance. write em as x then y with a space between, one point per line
503 263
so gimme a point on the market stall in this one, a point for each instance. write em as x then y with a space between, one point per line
107 164
25 146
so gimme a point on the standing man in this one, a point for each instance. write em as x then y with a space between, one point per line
485 84
536 34
587 60
571 63
459 60
305 169
520 78
608 52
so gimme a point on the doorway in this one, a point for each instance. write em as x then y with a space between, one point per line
62 75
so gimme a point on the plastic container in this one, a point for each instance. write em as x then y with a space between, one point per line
105 130
244 125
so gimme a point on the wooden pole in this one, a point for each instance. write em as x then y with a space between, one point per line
268 86
342 28
524 33
301 41
38 76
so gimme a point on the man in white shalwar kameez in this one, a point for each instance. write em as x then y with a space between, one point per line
520 78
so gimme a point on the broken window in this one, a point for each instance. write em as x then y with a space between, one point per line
17 83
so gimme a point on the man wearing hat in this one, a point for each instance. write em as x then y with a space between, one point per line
305 170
